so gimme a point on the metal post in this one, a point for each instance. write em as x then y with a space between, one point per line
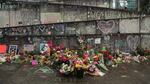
138 5
9 15
109 3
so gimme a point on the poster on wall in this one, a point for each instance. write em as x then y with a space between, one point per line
28 47
3 49
13 48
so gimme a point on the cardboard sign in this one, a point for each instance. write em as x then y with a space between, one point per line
3 49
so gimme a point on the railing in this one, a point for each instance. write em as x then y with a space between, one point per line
96 3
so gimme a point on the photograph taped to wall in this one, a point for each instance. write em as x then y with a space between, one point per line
13 49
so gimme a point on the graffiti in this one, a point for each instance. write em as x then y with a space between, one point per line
145 42
119 44
44 70
106 38
128 14
106 26
74 13
20 31
90 28
32 14
59 29
132 42
145 25
42 30
94 13
112 14
81 28
71 28
129 26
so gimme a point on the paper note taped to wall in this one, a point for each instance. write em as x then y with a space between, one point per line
98 41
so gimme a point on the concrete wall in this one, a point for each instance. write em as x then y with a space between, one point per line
27 14
128 39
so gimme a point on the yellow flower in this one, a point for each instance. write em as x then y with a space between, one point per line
78 66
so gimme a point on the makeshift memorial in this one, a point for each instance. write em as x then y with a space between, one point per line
69 62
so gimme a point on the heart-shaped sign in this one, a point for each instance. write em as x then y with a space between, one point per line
106 26
133 42
42 28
